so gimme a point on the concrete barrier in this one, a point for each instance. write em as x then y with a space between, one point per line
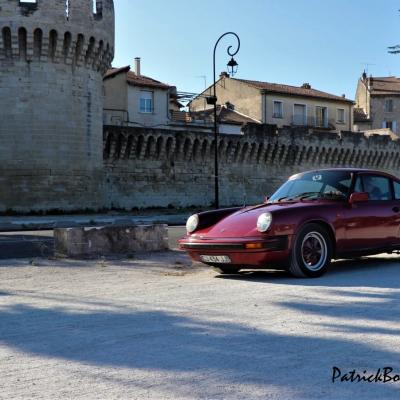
109 240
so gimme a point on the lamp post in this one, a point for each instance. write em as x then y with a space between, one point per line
232 68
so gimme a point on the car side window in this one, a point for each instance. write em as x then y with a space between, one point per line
358 187
396 186
377 187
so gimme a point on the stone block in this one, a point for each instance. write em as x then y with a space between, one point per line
109 240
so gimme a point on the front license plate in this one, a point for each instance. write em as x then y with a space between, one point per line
216 259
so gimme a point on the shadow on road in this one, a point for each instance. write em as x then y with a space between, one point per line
368 271
162 341
23 246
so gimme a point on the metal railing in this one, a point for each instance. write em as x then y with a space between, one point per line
312 121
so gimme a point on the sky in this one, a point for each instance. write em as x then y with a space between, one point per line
327 43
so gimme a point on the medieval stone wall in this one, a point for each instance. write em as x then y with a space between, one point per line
147 168
55 154
53 54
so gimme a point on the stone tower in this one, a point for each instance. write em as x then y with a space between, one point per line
53 54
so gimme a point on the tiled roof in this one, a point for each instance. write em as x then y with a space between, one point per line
293 90
115 71
389 85
360 115
142 80
225 115
136 80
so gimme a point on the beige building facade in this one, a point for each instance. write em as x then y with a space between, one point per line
132 99
377 104
287 110
282 105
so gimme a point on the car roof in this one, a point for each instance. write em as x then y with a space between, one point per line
351 170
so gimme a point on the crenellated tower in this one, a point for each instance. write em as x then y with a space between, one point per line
53 54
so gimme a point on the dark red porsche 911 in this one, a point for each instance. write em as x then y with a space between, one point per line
312 218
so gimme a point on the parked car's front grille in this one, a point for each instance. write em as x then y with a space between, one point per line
275 243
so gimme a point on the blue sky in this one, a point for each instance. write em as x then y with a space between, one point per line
324 42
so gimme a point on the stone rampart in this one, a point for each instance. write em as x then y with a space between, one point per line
53 54
150 167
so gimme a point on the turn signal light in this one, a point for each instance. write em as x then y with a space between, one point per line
253 245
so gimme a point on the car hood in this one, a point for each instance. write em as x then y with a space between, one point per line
244 222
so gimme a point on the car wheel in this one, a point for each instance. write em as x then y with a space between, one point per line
229 269
311 252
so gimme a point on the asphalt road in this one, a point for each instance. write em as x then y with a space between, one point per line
41 243
157 327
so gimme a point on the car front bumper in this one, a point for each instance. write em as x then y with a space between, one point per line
269 251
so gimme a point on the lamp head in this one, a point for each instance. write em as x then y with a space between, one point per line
232 66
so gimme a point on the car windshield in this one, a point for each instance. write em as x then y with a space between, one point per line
333 185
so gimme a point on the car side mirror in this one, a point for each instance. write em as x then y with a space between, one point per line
358 197
266 198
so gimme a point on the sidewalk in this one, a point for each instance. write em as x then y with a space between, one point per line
24 223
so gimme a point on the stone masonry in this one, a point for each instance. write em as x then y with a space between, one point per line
53 54
55 154
109 240
147 168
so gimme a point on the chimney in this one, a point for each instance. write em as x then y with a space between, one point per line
306 86
224 74
364 76
343 95
137 66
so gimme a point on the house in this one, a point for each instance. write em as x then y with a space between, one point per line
377 103
230 122
281 105
133 99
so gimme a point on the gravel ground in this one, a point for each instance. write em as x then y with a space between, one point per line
157 327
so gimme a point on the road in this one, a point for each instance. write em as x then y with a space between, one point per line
41 243
157 327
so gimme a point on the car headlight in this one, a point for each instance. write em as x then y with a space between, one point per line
192 223
264 222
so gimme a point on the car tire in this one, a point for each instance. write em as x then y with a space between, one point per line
228 269
311 252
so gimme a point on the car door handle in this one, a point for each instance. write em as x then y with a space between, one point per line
396 209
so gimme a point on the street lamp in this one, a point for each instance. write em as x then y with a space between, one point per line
232 69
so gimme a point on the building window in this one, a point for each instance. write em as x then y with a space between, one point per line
340 116
389 105
299 114
278 109
388 124
321 114
392 125
146 101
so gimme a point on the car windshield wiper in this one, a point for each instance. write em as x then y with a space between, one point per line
297 196
283 198
331 195
305 195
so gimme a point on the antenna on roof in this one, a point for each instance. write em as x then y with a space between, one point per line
205 87
204 78
366 65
